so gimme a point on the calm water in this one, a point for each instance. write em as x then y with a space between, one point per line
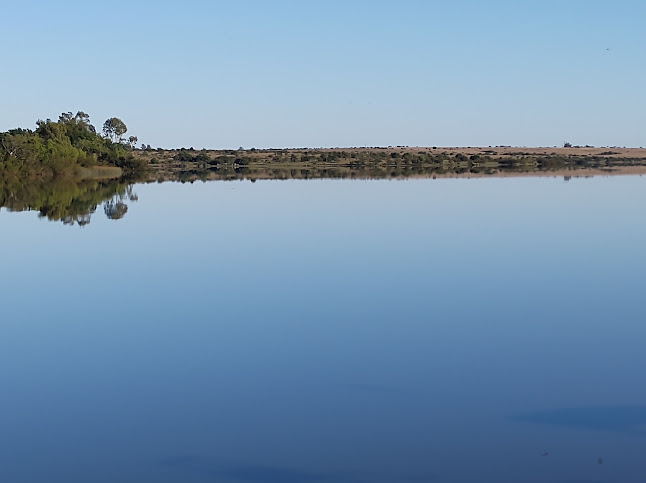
330 331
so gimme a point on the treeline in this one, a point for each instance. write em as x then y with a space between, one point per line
59 148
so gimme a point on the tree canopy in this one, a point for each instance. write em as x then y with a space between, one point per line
114 129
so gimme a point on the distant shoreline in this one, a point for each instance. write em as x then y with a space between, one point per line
562 173
72 146
493 151
392 162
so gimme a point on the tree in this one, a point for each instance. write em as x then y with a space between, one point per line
84 119
114 128
81 119
65 118
132 140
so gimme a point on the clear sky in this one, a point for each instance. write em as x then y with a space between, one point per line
224 74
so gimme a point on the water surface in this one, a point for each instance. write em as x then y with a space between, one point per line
449 330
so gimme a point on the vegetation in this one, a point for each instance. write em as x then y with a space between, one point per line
71 147
61 148
64 169
190 165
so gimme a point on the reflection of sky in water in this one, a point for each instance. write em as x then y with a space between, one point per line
432 330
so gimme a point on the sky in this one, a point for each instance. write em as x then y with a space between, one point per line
263 74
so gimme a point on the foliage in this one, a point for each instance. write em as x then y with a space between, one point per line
58 148
186 156
114 128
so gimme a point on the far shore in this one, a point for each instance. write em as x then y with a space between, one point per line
391 162
491 151
503 151
559 173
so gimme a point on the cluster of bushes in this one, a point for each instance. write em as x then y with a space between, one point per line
188 156
61 147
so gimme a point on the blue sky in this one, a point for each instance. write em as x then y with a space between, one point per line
332 73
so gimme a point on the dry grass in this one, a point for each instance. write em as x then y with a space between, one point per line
492 151
100 172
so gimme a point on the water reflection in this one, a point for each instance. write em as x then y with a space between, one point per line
116 208
626 419
74 201
565 167
70 201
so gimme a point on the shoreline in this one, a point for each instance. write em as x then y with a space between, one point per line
390 163
495 152
560 173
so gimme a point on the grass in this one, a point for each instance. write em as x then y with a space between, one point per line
100 172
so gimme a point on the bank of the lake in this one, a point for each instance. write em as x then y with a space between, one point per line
401 162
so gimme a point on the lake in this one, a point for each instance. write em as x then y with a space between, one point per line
420 330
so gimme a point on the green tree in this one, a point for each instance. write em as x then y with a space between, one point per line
84 119
114 128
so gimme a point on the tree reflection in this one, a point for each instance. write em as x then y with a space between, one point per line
70 201
115 210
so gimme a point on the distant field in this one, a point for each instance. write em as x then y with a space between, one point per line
493 152
515 151
639 153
